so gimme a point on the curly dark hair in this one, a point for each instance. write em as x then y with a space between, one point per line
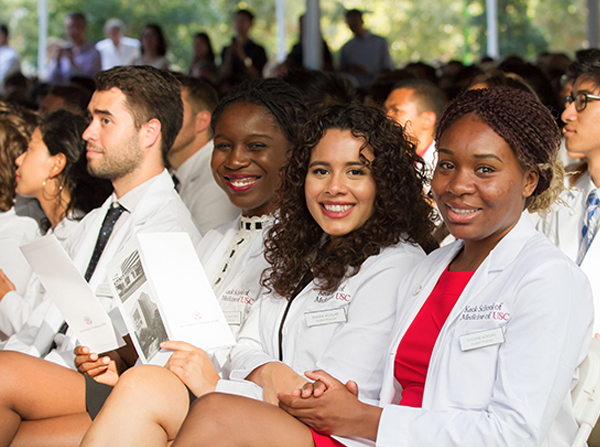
14 136
525 124
62 133
401 211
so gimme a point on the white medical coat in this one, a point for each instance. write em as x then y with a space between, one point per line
241 287
354 349
516 393
16 308
563 227
159 210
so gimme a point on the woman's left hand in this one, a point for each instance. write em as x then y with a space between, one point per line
5 285
193 367
332 408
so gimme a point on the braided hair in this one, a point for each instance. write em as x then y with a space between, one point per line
401 213
279 98
526 125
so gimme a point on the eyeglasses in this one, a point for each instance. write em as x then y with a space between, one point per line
580 101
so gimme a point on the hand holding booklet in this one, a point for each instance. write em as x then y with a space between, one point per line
158 284
163 294
71 294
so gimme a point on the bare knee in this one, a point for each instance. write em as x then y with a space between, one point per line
214 413
143 379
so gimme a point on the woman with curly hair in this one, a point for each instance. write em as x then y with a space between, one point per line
489 330
351 217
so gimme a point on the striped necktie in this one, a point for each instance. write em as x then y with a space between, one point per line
590 224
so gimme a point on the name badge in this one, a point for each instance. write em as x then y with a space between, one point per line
233 318
481 339
325 317
104 290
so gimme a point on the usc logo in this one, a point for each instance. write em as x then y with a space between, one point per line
502 316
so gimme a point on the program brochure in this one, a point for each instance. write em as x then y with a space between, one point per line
163 294
71 294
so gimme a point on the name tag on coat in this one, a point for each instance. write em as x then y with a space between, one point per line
234 318
325 317
481 339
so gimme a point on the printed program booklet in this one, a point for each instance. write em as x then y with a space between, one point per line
163 294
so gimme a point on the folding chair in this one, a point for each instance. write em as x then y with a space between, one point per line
586 395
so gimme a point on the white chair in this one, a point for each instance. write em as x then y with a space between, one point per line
586 395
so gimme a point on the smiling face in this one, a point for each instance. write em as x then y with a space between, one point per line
34 167
113 145
340 190
479 185
250 149
582 129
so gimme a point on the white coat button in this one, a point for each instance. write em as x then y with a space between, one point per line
572 212
417 290
284 331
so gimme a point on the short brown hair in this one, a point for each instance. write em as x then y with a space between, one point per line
150 93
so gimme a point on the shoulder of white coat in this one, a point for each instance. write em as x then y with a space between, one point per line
401 257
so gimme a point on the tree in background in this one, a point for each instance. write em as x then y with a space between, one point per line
428 30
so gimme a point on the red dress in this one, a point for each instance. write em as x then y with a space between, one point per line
415 348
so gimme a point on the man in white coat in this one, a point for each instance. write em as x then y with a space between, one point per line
190 156
416 105
136 114
572 225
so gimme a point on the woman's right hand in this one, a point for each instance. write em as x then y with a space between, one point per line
335 410
103 369
5 285
193 367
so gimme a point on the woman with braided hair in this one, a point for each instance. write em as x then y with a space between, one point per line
490 330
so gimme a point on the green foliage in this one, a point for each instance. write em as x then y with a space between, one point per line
428 30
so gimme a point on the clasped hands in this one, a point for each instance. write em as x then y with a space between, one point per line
331 407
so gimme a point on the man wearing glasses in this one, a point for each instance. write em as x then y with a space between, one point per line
573 225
